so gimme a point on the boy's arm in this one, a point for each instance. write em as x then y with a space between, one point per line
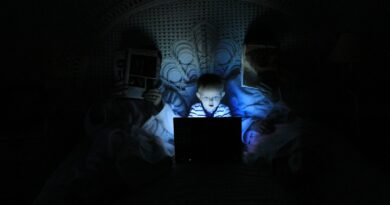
226 111
192 112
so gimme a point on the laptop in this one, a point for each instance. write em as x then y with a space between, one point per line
207 140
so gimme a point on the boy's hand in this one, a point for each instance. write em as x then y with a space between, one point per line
154 96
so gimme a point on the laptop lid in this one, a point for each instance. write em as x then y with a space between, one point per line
208 140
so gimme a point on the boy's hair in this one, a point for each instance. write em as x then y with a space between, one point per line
210 80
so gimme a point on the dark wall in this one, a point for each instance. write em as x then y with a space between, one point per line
42 120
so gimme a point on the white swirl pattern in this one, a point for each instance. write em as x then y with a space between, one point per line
188 60
194 37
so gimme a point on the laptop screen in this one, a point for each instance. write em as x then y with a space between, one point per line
207 140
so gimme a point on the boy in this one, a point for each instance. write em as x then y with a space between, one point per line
210 93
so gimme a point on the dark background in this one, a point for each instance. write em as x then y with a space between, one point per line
346 97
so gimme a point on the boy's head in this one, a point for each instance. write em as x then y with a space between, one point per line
210 91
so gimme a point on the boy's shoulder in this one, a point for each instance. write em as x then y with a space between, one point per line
221 105
198 104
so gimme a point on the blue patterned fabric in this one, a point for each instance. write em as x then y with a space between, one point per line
249 103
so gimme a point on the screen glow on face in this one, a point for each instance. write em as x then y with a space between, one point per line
210 98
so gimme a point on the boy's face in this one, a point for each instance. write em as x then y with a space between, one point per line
210 98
